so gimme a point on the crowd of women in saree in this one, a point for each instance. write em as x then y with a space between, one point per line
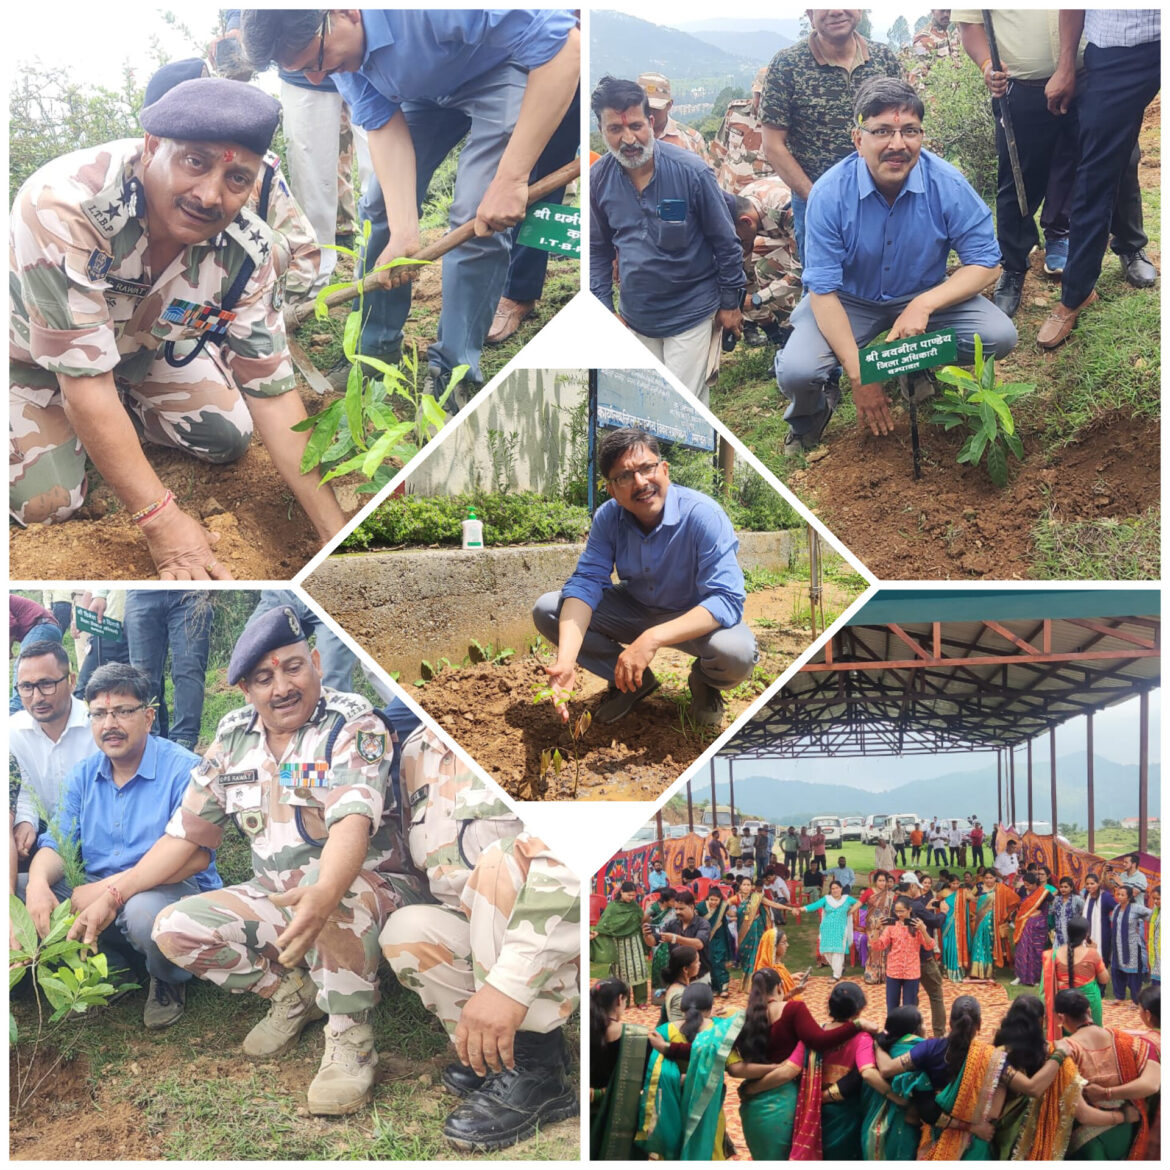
847 1090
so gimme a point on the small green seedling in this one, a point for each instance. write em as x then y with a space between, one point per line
551 761
975 400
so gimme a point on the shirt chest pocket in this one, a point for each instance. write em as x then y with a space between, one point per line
669 225
307 806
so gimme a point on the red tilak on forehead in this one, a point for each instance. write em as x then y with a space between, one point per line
275 661
229 155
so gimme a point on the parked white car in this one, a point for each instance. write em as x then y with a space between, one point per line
831 827
851 828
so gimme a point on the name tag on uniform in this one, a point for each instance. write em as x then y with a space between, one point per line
298 775
251 776
419 797
198 318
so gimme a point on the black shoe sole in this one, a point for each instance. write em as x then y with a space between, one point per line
559 1109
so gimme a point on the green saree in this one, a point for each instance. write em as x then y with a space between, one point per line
614 1117
886 1135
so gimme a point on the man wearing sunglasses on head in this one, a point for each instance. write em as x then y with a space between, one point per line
680 585
880 226
418 81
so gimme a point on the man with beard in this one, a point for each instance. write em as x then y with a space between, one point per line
115 806
146 305
46 739
303 773
881 224
658 209
680 585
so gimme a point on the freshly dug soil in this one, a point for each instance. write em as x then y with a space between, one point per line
953 522
490 712
71 1119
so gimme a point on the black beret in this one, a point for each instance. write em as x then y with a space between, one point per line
214 109
271 630
170 75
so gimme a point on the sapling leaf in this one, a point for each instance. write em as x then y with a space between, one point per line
22 924
997 465
353 406
351 335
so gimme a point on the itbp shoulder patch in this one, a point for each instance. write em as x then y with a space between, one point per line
371 745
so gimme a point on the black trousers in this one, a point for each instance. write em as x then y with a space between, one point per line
1118 86
932 984
1049 150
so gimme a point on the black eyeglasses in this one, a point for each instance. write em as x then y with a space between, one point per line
47 686
625 478
321 49
118 714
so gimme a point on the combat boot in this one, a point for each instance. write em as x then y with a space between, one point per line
292 1007
514 1102
345 1081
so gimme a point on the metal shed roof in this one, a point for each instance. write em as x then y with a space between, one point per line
921 671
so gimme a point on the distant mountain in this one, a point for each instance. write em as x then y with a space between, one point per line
758 44
625 46
953 794
790 29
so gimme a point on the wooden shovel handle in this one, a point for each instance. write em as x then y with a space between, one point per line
443 245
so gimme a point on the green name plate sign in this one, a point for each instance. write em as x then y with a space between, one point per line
102 627
552 227
890 359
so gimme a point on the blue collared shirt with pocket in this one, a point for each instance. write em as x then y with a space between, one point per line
674 272
688 559
116 826
428 53
858 244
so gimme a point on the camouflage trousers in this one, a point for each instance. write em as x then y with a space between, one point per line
347 223
446 955
196 408
228 937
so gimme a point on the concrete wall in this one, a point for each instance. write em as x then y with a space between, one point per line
530 411
404 607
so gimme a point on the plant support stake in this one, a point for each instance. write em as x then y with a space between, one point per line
912 406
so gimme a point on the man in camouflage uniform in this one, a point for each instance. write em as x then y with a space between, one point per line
303 772
122 258
738 148
497 958
939 41
763 222
666 129
808 101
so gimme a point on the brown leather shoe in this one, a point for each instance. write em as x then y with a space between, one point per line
509 314
1060 322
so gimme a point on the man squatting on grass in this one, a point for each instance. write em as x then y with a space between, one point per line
880 225
489 940
679 585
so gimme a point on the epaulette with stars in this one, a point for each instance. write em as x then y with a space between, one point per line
252 234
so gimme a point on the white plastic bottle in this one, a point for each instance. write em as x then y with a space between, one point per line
472 531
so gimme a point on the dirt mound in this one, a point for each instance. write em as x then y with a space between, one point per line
491 713
70 1118
954 522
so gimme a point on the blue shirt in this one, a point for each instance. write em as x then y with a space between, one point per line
687 560
116 826
856 243
673 273
843 874
431 53
658 881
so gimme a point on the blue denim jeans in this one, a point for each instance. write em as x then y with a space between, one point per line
798 209
337 659
484 109
180 621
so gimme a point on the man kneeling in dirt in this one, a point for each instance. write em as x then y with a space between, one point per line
497 959
126 260
879 228
302 771
679 585
115 805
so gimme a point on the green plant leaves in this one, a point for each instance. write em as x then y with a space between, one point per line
22 925
997 465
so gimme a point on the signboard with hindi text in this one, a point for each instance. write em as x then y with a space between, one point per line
552 227
890 359
88 622
644 399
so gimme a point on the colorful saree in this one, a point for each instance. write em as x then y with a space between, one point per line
1051 981
886 1135
614 1114
1030 936
841 1121
769 1118
718 946
956 953
619 946
682 1116
878 907
968 1098
1119 1143
1038 1129
766 957
750 916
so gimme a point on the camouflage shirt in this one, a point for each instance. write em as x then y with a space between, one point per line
773 270
286 807
84 303
938 42
298 255
738 148
686 138
813 100
454 818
